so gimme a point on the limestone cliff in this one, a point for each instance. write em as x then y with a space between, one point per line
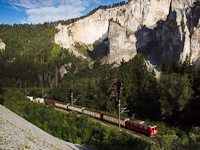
2 46
159 29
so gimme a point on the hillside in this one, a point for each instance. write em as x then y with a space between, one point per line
17 133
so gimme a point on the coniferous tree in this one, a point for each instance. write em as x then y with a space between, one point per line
176 93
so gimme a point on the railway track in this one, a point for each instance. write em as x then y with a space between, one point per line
105 123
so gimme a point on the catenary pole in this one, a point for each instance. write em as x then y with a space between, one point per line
72 99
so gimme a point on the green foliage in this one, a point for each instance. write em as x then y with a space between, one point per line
83 49
31 56
194 137
14 99
37 92
139 88
176 93
167 142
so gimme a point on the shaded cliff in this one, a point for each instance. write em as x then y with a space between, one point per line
175 38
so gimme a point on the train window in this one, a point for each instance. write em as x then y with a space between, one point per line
135 124
145 127
152 128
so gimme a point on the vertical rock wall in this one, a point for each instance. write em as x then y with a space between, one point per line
121 43
174 38
2 46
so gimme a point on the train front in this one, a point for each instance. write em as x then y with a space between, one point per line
154 130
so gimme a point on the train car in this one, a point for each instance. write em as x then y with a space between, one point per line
30 98
114 119
93 113
76 108
39 100
48 102
142 126
61 104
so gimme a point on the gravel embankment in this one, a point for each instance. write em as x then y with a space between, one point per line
17 133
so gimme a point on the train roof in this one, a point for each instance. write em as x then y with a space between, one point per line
115 116
48 101
77 106
89 109
140 122
62 103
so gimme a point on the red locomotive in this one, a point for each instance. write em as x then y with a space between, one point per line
142 126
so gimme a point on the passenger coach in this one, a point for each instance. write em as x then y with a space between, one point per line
76 108
93 113
114 119
61 105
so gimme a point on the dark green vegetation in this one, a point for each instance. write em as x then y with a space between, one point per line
32 60
31 56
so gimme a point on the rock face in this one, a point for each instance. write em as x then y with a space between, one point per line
173 37
121 43
160 29
2 46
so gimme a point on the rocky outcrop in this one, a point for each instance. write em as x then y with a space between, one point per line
2 46
160 29
121 43
64 69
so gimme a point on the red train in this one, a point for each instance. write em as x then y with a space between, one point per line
134 124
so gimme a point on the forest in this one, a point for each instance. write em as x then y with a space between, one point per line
30 65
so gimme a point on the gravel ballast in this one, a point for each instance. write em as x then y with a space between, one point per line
17 133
